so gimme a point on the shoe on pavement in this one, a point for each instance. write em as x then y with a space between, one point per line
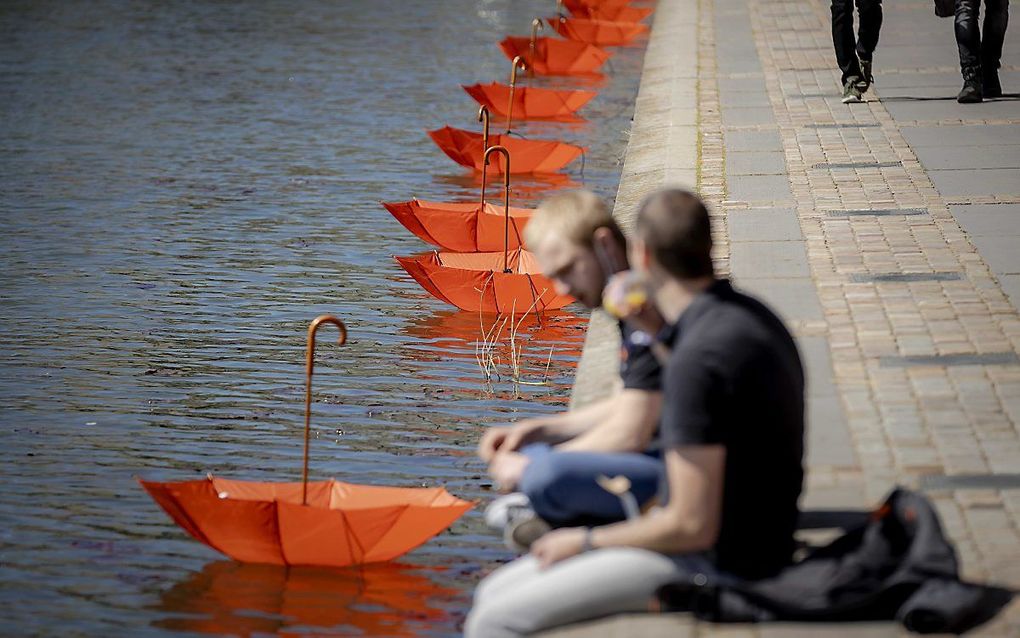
971 92
867 79
851 94
990 86
499 513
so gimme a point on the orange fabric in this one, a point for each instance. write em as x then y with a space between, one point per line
476 281
554 56
531 103
246 599
266 523
598 32
461 227
622 13
529 156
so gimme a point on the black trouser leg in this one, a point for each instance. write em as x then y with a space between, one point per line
968 38
843 38
870 14
996 19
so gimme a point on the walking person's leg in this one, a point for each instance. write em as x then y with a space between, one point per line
869 14
845 45
992 36
592 585
968 40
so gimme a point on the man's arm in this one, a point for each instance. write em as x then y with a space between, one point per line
626 423
688 523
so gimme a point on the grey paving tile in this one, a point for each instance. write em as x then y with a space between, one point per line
1011 286
747 116
828 437
1002 254
950 109
774 224
814 352
752 141
938 158
756 163
750 259
974 135
759 188
968 182
744 98
729 86
988 219
906 80
792 299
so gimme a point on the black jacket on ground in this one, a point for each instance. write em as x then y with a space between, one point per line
898 565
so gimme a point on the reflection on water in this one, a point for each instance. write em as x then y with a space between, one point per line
183 187
385 599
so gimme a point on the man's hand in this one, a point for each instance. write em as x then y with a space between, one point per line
558 545
506 468
627 297
507 438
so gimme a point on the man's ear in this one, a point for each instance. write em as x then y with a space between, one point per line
606 244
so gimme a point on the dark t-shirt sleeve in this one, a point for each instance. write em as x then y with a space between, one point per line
693 413
639 368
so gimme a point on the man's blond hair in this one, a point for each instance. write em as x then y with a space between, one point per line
574 215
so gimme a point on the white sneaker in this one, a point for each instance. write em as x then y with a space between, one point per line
500 511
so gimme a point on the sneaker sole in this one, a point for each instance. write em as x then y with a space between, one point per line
852 99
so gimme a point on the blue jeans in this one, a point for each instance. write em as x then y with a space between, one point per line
562 487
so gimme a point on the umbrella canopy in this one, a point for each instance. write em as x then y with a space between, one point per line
597 32
619 12
325 523
466 228
529 103
503 282
247 599
476 281
548 56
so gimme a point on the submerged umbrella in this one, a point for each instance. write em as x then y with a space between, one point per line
325 523
530 156
529 103
606 11
548 56
501 282
597 32
465 228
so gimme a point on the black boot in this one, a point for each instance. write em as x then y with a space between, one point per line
990 86
971 91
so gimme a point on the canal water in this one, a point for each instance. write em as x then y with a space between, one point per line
183 187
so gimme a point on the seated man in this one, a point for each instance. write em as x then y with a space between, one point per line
732 427
555 460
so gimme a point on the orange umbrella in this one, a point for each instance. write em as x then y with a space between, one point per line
598 32
465 228
245 599
530 156
501 282
529 103
619 12
325 523
548 56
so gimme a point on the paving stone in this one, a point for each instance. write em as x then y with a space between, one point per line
753 141
760 188
747 116
756 163
970 182
988 219
773 224
940 158
1002 253
954 136
768 259
793 299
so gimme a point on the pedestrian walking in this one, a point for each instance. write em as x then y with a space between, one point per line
854 54
980 49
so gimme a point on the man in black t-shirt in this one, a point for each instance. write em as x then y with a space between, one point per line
554 461
732 429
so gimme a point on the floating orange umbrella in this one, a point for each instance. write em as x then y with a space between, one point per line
324 523
604 11
467 228
548 56
530 156
245 599
529 103
501 282
597 32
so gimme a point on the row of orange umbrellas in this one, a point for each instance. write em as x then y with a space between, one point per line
480 264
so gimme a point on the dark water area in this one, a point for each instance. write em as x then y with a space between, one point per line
183 187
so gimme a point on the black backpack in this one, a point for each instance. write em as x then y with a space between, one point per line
897 565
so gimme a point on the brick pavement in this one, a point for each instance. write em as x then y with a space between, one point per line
886 234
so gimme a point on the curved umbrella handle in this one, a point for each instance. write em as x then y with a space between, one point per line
483 117
536 24
309 365
506 200
513 86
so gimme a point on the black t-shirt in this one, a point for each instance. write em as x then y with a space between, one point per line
735 379
639 368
